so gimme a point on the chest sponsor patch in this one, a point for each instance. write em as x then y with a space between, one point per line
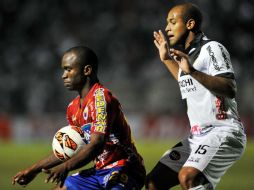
188 86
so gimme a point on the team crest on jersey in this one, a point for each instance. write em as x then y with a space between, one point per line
85 113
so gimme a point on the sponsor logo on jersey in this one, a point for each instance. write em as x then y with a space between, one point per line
185 82
101 114
226 59
220 108
174 155
193 159
87 132
186 85
214 60
103 157
113 138
196 130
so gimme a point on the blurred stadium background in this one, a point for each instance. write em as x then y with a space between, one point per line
34 34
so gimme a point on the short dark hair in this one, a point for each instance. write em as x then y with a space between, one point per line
85 56
192 11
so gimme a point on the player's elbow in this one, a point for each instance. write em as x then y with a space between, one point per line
232 93
232 89
97 142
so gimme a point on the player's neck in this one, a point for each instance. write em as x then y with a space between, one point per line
189 39
86 88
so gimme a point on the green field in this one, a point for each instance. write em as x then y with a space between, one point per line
15 157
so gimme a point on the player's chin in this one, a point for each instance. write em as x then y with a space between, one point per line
172 42
68 86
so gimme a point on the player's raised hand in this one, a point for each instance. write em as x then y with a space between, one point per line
56 175
162 45
24 177
182 60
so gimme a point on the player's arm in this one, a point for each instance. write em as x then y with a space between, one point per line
27 175
87 153
219 85
83 157
162 45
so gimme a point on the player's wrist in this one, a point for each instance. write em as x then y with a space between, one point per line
67 166
168 61
192 70
35 169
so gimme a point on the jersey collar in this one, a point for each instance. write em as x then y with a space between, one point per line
195 43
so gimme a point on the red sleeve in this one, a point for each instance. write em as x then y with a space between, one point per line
100 115
69 115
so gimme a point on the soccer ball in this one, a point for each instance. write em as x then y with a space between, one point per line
67 142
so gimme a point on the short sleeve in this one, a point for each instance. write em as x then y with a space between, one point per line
69 115
218 59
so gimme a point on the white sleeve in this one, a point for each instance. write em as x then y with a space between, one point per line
218 59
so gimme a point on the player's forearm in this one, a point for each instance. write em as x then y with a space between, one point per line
83 157
173 67
218 85
46 163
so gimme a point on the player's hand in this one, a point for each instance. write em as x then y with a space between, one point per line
24 177
162 45
182 60
56 175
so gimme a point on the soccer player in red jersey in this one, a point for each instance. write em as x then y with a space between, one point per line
107 133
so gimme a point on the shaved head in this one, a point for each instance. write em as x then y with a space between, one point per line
84 56
190 11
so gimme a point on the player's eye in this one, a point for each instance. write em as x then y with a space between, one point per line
67 69
172 21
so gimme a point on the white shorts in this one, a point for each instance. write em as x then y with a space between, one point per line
212 152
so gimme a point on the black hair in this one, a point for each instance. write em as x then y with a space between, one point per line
192 11
85 56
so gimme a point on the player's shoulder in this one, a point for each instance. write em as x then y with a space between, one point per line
214 49
101 90
215 45
74 101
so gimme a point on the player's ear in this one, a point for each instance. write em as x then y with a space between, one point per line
190 24
88 70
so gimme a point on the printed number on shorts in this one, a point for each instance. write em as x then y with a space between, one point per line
201 149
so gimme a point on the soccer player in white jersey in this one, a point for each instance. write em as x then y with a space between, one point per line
206 79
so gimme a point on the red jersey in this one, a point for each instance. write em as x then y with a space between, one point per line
101 113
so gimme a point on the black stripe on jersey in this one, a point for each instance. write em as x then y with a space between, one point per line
178 145
226 75
196 44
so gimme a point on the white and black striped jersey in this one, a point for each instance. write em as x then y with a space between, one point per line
205 108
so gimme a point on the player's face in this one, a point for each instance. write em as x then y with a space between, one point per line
73 77
176 27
